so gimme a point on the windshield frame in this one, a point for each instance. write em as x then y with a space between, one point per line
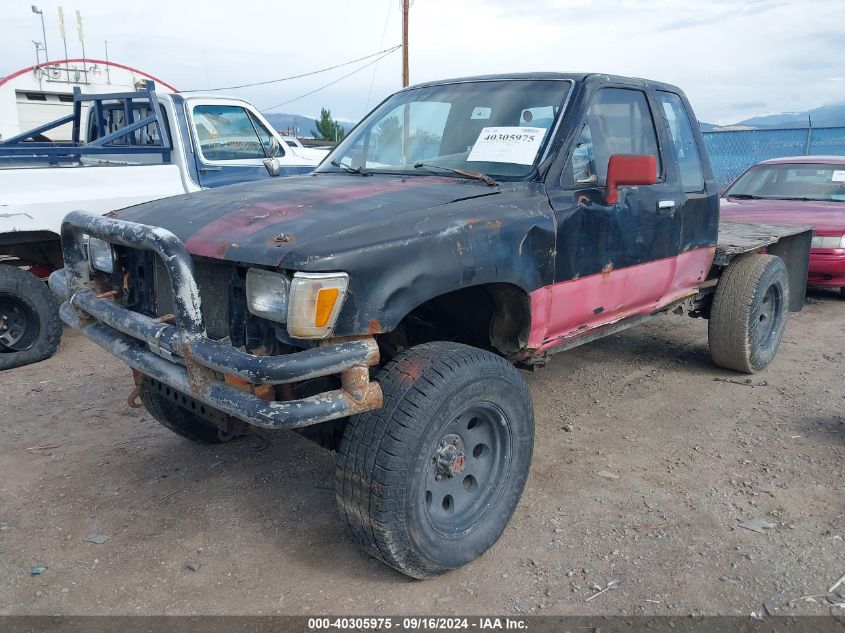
543 152
730 193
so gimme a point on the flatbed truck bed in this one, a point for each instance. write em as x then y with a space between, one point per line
790 243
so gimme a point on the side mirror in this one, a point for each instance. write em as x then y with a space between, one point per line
274 147
629 169
273 166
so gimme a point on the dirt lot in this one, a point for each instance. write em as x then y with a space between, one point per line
647 459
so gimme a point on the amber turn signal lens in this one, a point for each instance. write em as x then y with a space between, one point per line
315 302
326 298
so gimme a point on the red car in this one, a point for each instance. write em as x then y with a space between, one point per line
803 190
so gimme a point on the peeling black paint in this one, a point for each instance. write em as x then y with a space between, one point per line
403 240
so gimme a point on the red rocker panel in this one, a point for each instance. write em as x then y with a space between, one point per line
571 308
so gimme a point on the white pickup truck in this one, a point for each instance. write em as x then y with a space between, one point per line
127 148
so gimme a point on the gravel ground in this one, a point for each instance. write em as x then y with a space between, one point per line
647 460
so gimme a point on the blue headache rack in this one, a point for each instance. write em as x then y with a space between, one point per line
107 138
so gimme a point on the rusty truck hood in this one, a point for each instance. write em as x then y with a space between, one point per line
267 221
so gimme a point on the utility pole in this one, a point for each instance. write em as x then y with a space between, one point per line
406 4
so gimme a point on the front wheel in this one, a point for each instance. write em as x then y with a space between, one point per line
428 482
749 311
30 327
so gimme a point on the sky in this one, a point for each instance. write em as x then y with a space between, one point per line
734 58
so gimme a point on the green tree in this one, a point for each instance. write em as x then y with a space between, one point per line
388 130
327 129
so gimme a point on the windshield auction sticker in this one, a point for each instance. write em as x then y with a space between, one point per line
517 145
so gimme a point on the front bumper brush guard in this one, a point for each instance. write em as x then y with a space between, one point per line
132 337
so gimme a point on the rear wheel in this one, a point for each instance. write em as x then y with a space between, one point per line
428 482
749 312
30 328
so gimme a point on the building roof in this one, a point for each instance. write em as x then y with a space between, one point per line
23 71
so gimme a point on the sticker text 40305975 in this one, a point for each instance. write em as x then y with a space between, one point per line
507 144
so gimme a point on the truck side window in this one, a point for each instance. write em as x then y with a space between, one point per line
115 119
689 162
230 133
618 121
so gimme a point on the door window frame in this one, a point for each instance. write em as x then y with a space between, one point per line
253 117
671 141
582 123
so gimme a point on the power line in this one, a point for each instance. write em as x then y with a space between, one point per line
331 83
384 52
381 43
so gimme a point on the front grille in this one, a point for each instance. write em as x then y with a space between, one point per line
213 279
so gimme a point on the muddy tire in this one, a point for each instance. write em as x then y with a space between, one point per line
30 327
428 482
181 421
749 313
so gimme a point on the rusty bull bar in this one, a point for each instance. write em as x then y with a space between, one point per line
183 357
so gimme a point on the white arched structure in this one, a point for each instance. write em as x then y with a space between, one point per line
39 94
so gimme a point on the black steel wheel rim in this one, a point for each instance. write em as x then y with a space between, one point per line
19 323
770 315
467 469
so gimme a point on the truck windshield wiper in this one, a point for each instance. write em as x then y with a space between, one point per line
475 175
360 170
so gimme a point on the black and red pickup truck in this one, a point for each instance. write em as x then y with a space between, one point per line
380 304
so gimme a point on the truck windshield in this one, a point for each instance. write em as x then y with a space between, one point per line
797 181
498 128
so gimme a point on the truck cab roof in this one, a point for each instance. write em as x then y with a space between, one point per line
552 76
181 97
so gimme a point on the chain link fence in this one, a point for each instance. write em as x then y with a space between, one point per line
732 152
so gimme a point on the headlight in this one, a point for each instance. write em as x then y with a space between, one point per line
828 241
314 303
267 294
100 255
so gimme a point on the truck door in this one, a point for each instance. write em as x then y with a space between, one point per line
232 143
613 260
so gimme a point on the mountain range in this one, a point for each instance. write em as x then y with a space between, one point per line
282 121
830 115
